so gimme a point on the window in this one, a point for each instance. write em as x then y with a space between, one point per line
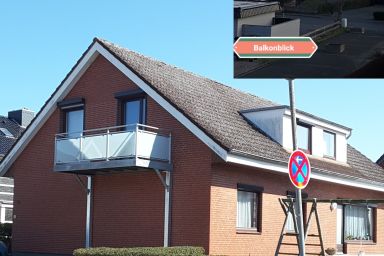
329 144
6 213
290 226
358 222
134 112
74 122
249 207
304 137
246 209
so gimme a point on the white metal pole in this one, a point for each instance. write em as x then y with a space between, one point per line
88 214
167 207
299 205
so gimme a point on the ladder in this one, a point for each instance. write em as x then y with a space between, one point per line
288 207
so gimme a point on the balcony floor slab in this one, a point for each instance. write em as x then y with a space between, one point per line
93 167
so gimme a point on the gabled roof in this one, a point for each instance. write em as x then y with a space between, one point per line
216 109
211 111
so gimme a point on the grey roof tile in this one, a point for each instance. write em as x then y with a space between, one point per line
215 108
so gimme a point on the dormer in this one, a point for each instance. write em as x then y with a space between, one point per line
315 136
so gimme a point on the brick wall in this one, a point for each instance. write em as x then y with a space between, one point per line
224 238
127 207
49 208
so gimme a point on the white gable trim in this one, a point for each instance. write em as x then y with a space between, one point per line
49 108
68 84
283 168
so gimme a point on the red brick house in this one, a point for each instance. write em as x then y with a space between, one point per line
129 151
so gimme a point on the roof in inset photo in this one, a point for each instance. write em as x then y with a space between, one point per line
244 9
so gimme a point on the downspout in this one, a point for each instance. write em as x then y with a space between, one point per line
88 214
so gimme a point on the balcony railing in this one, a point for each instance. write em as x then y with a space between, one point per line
139 142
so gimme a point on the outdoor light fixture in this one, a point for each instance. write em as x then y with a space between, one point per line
333 206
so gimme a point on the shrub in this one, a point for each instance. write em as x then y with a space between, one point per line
378 15
141 251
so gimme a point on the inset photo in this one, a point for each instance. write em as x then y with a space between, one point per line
309 39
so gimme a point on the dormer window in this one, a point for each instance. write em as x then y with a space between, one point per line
304 137
329 139
315 135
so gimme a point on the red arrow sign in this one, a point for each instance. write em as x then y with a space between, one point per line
275 47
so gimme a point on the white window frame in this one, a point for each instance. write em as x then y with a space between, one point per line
290 225
334 145
255 225
371 221
2 213
307 150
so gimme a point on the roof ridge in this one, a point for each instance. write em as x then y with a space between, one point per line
104 41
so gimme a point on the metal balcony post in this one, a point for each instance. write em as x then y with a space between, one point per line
167 203
107 147
170 148
136 139
55 156
81 148
88 213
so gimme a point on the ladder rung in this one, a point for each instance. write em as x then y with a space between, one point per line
288 253
313 253
290 234
313 244
289 244
313 235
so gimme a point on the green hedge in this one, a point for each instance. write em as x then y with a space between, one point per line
141 251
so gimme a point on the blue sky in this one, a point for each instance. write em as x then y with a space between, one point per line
41 40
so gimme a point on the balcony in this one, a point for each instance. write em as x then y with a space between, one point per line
128 147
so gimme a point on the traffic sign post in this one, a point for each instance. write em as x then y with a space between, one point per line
298 172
